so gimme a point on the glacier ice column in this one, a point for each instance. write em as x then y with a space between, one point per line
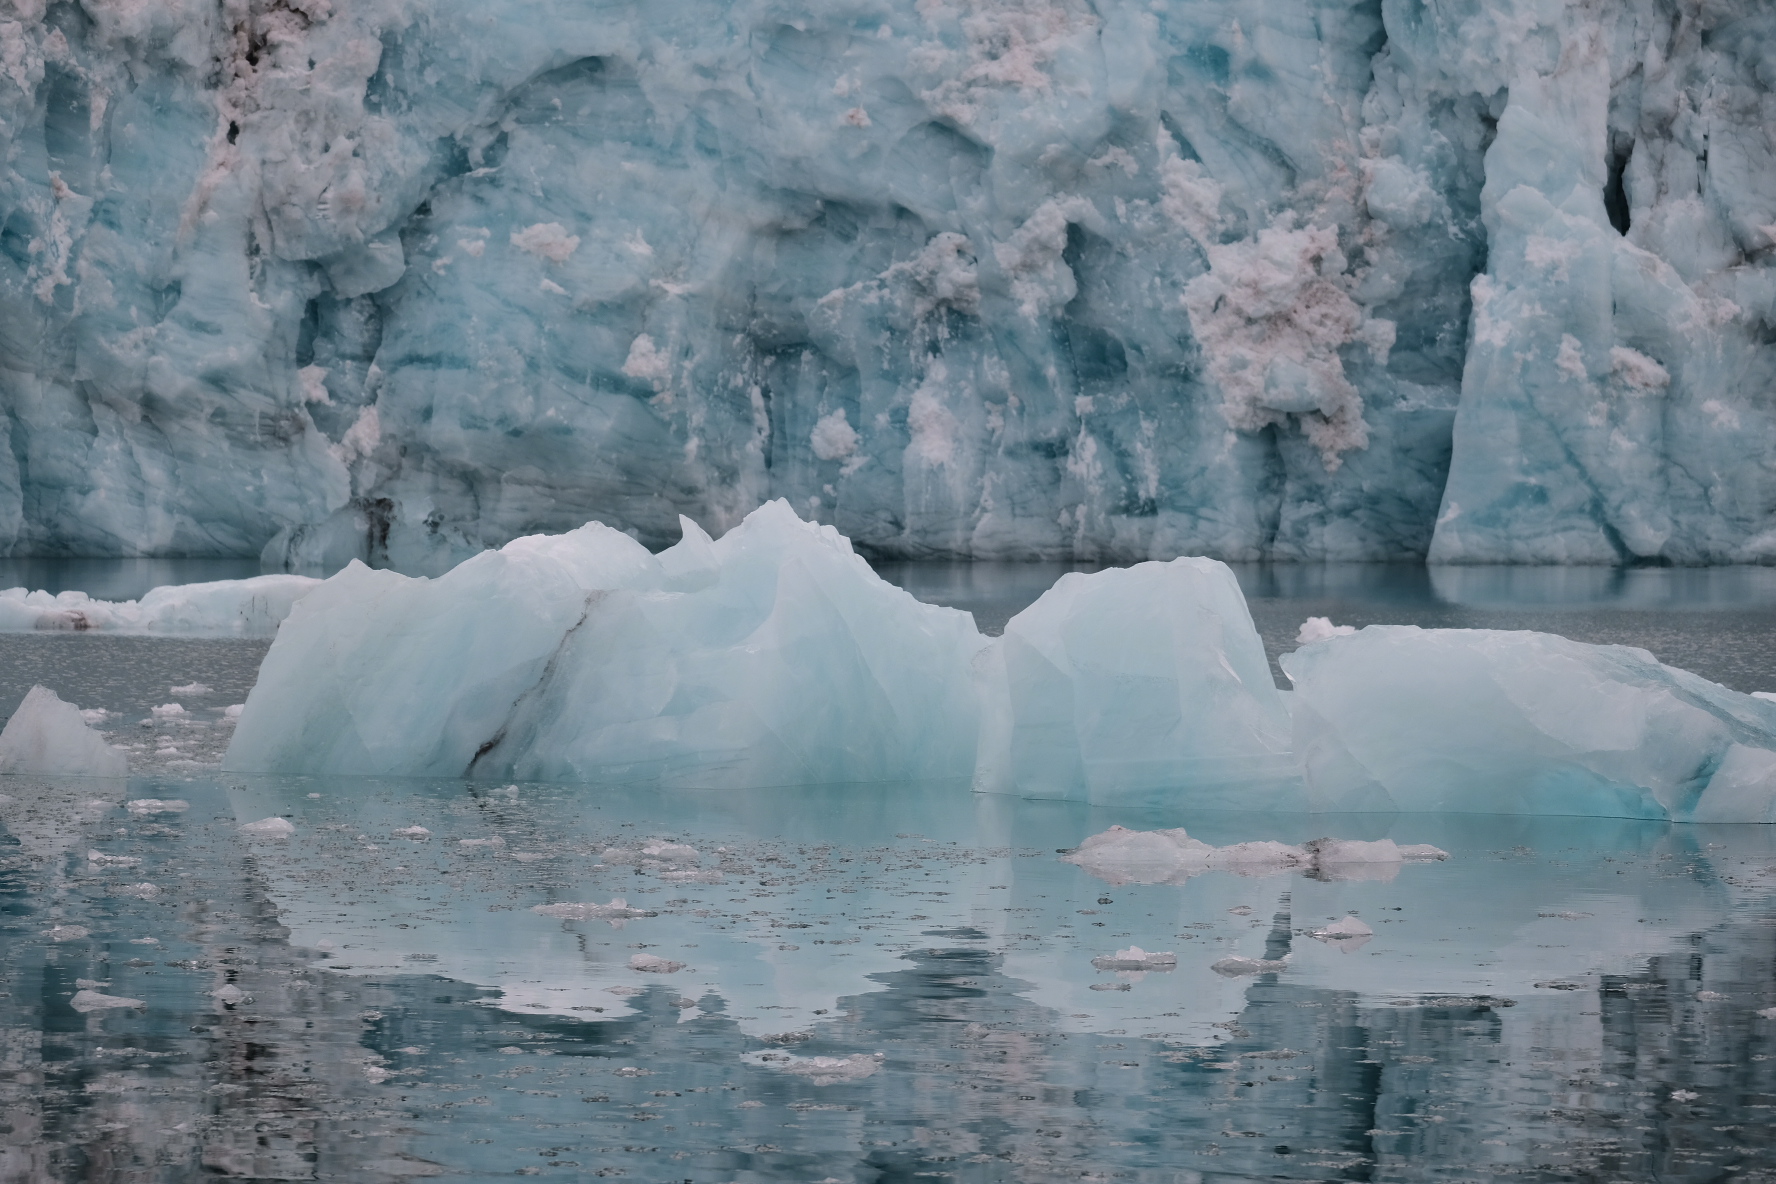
1494 722
771 656
47 737
1140 685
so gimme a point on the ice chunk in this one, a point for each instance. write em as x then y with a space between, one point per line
1402 718
1137 685
1122 856
222 608
1135 958
157 806
86 1000
654 964
269 828
412 832
828 1070
773 656
616 911
1346 932
1236 965
48 737
1319 629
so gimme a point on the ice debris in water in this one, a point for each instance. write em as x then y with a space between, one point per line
269 828
167 710
1767 1013
47 737
1319 629
412 832
1396 717
100 859
1122 685
86 1000
1135 958
191 688
1122 856
772 656
157 805
616 911
223 608
229 995
654 964
827 1070
60 933
1236 965
1345 930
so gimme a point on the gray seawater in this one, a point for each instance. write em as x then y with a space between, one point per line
876 984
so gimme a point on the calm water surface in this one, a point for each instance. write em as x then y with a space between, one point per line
871 984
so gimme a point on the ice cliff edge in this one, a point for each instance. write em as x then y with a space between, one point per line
1487 279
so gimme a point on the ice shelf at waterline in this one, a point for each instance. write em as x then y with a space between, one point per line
1124 279
776 656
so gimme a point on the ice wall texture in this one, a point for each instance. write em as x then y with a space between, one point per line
996 278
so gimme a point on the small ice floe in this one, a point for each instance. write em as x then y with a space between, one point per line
625 992
142 891
1710 996
412 832
233 711
1766 1013
1237 965
157 806
229 995
1566 916
269 828
92 717
191 688
495 841
1319 629
1122 856
67 932
1684 1095
1135 958
1346 933
167 711
824 1070
616 912
1109 987
100 859
49 738
654 964
86 1000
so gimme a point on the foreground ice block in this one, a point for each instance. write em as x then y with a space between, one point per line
221 608
1140 684
1400 718
772 656
46 737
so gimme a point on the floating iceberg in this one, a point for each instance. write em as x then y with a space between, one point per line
48 737
1129 685
1401 718
1122 856
773 656
222 608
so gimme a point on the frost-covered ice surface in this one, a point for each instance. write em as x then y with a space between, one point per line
1397 717
906 985
1015 277
222 608
773 656
1124 685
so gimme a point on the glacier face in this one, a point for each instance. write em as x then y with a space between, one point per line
992 278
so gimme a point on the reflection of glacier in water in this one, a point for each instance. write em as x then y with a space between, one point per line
875 986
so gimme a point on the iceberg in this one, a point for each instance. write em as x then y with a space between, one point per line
1486 721
48 738
772 656
1129 684
1122 856
1011 278
221 608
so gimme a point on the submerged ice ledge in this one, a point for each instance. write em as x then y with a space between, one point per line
776 656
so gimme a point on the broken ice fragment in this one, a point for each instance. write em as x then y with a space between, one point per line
47 737
86 1000
1135 958
653 964
1237 964
269 828
157 806
617 910
1319 629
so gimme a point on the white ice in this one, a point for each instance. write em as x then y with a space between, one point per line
48 737
223 608
772 656
1122 856
1133 685
1487 721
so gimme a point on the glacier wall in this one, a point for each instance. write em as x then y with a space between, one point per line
1327 279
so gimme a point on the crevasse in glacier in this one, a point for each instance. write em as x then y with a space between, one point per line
980 277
